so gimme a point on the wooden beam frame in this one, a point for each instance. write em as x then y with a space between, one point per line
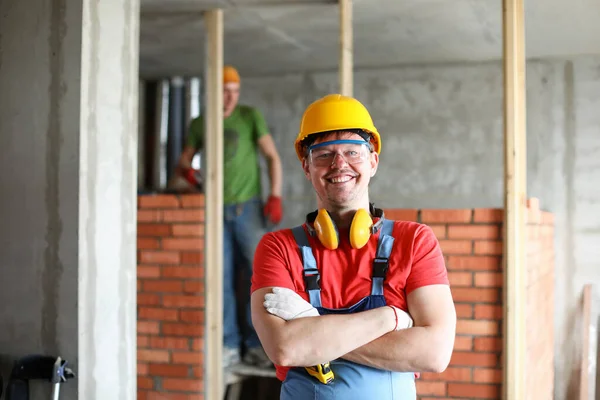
346 49
584 378
213 377
515 199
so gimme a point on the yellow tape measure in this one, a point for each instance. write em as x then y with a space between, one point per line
322 372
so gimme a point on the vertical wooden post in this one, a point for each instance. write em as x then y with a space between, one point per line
515 200
346 48
213 377
585 377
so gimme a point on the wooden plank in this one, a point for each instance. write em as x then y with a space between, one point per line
515 196
346 63
584 379
213 378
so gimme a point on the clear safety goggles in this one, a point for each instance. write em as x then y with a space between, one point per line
352 151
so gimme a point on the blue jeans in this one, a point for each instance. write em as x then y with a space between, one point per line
243 227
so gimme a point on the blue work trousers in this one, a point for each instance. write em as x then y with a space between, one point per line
243 227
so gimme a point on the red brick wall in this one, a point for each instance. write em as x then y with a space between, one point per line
471 242
540 304
170 297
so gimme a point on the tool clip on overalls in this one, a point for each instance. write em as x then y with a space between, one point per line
352 380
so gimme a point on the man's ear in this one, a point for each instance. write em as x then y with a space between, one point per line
374 163
305 168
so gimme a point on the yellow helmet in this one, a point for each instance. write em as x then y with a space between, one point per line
335 112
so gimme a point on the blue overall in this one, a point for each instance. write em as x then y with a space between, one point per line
352 381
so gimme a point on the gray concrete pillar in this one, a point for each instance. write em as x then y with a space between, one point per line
68 158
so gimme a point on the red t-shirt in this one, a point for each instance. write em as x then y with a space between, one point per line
416 260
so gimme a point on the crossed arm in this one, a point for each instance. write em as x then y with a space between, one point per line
427 346
366 337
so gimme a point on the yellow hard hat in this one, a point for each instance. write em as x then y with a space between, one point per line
335 112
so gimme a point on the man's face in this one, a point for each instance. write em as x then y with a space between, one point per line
340 172
231 95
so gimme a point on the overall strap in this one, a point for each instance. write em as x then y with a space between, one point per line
381 261
311 274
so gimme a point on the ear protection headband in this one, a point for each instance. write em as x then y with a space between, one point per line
361 228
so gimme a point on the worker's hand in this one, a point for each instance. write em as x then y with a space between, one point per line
273 209
193 176
287 304
404 319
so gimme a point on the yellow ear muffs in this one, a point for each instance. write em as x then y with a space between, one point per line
360 229
326 230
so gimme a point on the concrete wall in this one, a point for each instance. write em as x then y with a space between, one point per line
68 130
441 128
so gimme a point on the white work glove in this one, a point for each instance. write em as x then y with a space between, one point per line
287 304
403 318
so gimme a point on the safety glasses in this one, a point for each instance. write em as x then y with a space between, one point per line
352 151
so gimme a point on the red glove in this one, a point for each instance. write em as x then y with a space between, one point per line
273 209
193 176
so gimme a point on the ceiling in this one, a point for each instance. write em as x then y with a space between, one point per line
263 37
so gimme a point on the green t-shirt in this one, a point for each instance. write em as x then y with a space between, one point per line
241 171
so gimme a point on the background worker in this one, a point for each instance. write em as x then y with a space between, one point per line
245 135
340 287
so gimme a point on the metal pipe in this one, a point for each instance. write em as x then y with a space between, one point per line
141 166
160 138
175 124
193 101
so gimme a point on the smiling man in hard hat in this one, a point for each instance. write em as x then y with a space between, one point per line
245 137
350 305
